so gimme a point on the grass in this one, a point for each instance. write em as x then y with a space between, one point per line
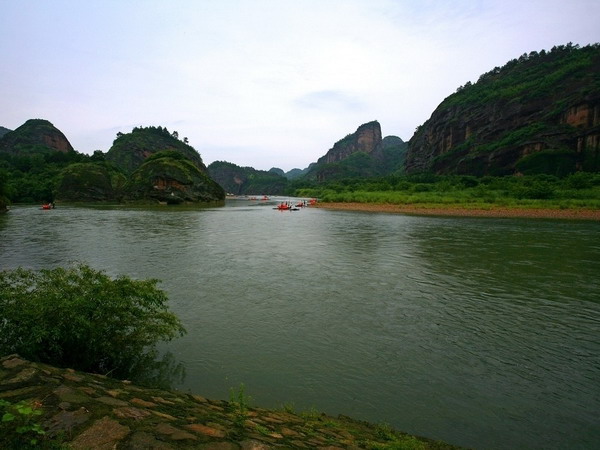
579 191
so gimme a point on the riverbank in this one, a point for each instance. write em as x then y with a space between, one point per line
463 211
63 408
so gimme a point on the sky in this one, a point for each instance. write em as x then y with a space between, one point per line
260 83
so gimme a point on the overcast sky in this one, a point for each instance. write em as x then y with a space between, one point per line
261 83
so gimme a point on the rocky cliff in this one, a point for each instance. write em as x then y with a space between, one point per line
365 139
35 135
169 177
360 154
537 114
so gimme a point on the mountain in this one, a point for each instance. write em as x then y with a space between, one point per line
3 131
246 180
277 171
365 139
297 173
539 113
130 150
35 136
292 174
363 153
146 165
170 177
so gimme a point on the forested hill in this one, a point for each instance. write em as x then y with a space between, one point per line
361 154
246 180
130 150
539 113
34 136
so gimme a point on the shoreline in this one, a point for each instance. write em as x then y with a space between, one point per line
80 410
462 211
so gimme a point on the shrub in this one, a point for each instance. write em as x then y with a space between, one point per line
81 318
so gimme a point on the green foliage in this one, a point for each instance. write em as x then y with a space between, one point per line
43 175
555 162
511 109
32 137
533 75
577 190
246 180
239 403
166 154
172 180
514 137
31 178
98 181
389 439
3 199
18 427
129 151
81 318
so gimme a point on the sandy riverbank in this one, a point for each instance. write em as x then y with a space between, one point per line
493 211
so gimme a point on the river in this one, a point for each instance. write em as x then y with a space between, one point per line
481 332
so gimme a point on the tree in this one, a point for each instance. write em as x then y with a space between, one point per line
83 319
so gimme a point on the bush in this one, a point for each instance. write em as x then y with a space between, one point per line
541 190
83 319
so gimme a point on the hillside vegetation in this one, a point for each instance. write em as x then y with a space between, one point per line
539 113
130 150
33 137
147 165
577 191
363 153
247 180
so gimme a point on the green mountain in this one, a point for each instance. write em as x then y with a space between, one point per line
247 180
37 164
539 113
363 153
3 131
129 151
170 177
34 136
297 173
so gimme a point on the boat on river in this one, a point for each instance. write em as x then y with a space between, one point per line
285 206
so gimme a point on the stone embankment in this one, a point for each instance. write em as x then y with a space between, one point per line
79 410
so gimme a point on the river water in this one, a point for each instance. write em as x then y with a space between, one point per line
480 332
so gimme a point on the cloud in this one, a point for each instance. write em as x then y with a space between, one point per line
271 82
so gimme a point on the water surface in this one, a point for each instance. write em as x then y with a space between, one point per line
481 332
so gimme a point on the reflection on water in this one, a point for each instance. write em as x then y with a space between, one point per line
481 332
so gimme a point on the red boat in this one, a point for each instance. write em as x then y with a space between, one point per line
47 206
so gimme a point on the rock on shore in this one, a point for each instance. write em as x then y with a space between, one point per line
88 411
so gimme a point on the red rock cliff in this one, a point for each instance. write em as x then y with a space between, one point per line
33 133
365 139
542 105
